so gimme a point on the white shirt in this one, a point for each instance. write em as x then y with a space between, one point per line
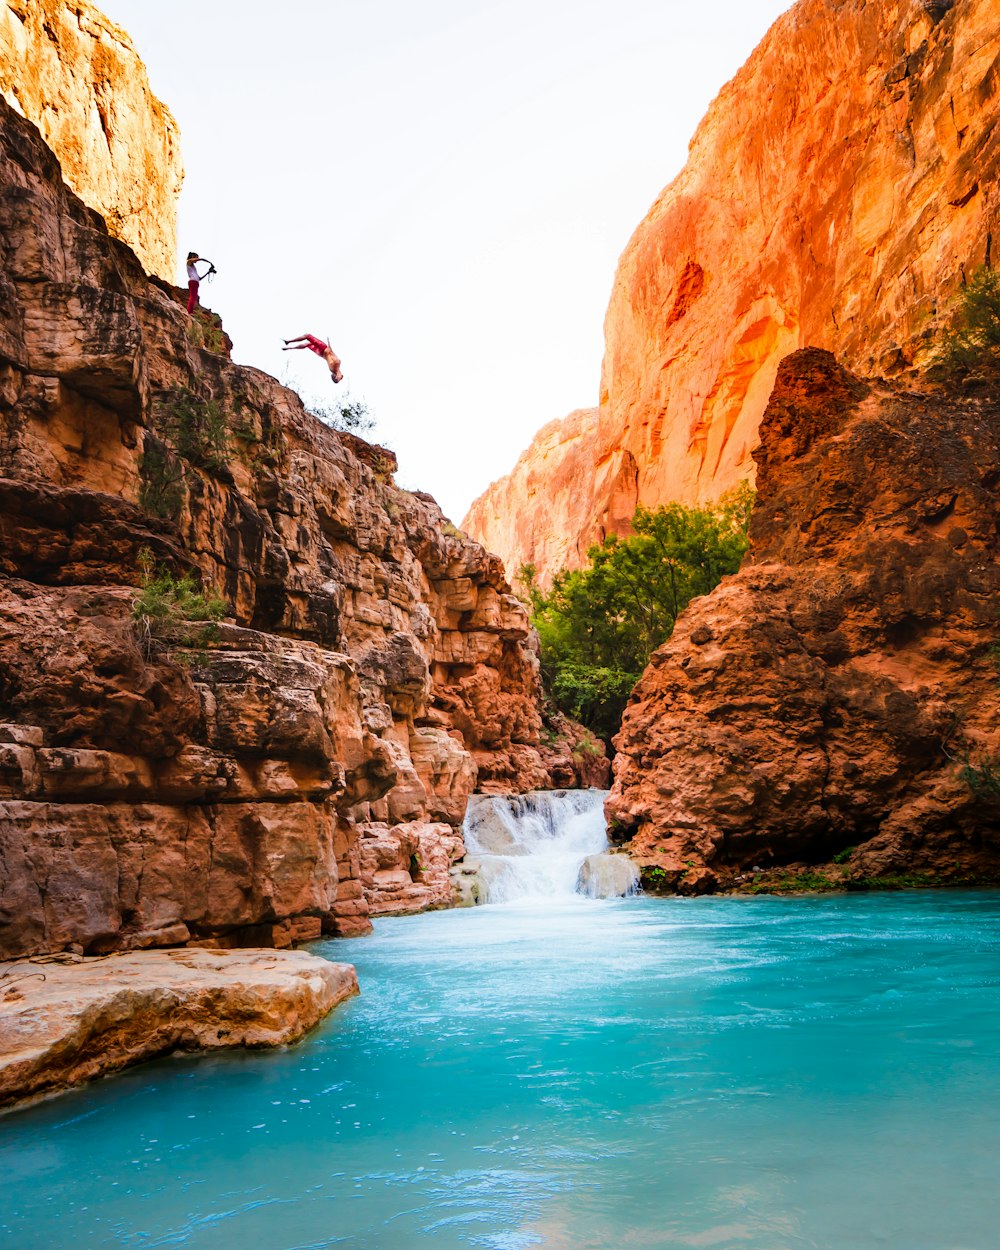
193 272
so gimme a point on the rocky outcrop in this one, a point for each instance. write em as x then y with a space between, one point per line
407 868
76 75
63 1023
835 193
827 696
162 782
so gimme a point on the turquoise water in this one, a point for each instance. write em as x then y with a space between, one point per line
738 1074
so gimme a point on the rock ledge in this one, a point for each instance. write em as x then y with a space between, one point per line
67 1021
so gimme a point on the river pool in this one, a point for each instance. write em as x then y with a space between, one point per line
732 1073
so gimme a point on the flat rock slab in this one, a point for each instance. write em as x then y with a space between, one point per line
66 1021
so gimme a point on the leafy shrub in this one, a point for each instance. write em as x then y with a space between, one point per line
970 346
843 856
352 416
167 603
161 491
196 428
982 776
204 330
599 625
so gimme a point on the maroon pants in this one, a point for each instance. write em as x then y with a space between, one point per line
192 294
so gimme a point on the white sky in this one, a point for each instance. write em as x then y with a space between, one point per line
442 187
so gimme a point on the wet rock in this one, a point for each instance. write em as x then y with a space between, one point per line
607 876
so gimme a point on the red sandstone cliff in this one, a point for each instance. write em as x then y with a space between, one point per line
833 195
826 696
274 781
75 74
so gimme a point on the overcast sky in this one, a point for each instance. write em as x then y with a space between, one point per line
442 188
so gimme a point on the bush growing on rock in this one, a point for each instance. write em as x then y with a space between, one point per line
196 428
970 346
166 604
352 416
599 625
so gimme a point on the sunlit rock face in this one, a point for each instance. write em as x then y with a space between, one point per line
827 695
532 516
373 671
835 192
76 75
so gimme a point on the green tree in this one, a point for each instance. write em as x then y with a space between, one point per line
970 346
599 625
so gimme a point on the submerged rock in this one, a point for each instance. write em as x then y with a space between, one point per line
65 1022
607 875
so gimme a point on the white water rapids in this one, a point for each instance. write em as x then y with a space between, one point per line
546 844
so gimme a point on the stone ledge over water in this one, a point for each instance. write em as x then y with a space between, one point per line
66 1021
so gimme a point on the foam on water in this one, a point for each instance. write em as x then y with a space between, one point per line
731 1073
536 846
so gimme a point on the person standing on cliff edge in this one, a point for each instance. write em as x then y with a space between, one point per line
194 277
316 345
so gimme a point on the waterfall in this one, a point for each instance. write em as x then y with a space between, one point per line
546 844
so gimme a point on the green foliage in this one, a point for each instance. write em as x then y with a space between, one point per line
843 856
161 492
970 346
196 428
595 696
352 416
204 331
166 604
981 772
795 883
599 625
982 776
588 747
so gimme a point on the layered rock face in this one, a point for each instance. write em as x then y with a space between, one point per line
76 75
827 695
62 1023
160 785
835 192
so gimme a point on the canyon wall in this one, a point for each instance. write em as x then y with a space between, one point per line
822 702
835 193
76 75
269 779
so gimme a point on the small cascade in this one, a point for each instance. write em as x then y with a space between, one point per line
546 844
